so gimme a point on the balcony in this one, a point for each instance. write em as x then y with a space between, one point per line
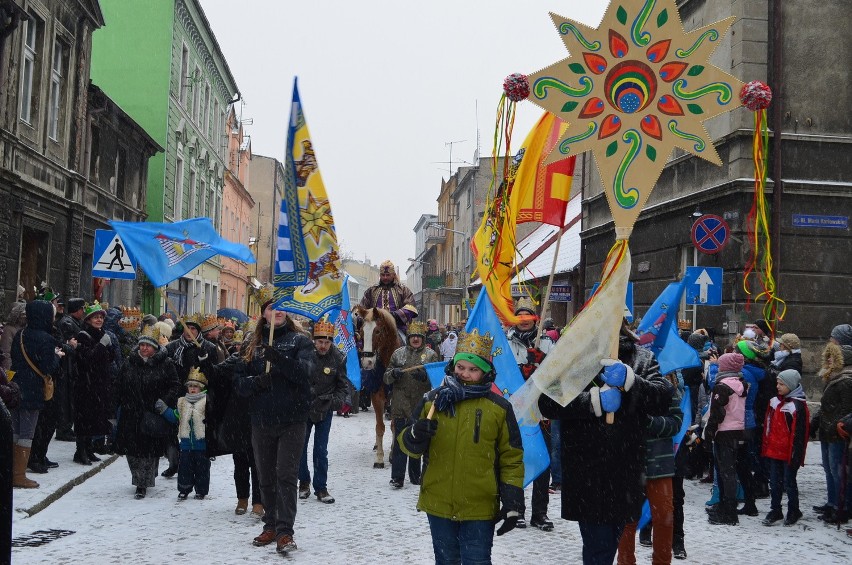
436 233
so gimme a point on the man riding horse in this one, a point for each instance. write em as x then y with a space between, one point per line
393 296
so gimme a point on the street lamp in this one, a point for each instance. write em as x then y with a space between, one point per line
445 228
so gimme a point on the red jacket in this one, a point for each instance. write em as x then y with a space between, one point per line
786 429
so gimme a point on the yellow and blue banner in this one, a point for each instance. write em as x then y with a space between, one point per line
308 276
344 337
168 251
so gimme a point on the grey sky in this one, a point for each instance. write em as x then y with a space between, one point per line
385 85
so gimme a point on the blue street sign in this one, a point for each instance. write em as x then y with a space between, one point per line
710 234
704 286
111 259
560 293
808 221
628 300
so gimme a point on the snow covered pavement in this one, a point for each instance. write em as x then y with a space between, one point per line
369 522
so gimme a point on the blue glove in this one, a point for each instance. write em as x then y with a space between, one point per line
610 399
614 373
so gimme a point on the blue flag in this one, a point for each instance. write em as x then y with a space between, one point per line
657 332
168 251
435 372
509 379
344 337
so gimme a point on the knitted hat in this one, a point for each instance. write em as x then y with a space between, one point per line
75 305
475 349
790 341
149 320
763 326
790 377
731 363
696 341
433 324
164 328
150 335
196 377
92 309
843 334
747 349
169 321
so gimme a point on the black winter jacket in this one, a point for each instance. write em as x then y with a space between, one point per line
94 401
329 384
41 349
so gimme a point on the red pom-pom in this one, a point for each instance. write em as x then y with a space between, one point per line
517 87
756 95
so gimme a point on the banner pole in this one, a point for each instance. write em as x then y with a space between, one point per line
172 307
546 300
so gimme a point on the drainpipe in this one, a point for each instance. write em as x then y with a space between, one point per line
777 119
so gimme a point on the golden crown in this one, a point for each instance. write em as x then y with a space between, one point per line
262 295
209 322
225 323
151 332
475 343
238 336
131 312
525 303
130 324
684 325
324 328
195 375
417 328
250 326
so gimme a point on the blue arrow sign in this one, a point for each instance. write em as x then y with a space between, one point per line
111 259
704 286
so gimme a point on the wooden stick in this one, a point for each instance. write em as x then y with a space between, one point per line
271 333
546 300
180 318
431 412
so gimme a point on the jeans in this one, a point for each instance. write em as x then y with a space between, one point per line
44 430
782 477
468 542
193 472
600 542
245 476
276 453
556 451
745 466
677 502
541 484
725 453
831 495
836 449
399 458
660 496
320 454
23 426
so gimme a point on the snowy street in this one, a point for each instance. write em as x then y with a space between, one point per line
369 522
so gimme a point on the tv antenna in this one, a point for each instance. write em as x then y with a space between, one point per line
450 145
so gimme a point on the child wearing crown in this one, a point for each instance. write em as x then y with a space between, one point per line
190 415
472 444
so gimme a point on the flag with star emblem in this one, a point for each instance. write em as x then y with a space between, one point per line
169 251
308 276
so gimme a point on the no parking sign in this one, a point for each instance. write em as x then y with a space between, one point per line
710 234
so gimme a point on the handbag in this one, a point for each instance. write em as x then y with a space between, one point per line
10 392
48 380
154 425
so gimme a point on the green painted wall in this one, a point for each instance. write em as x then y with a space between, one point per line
132 63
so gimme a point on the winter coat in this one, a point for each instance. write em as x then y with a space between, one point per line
17 320
836 400
69 327
434 339
329 384
93 389
228 420
659 452
754 375
602 464
475 460
191 420
288 399
411 386
767 390
41 349
786 428
448 347
727 407
187 355
137 390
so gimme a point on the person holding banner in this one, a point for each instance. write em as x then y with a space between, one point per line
472 441
602 461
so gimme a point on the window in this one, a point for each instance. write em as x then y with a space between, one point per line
54 111
178 202
211 203
184 71
35 250
196 94
206 108
215 126
192 212
202 199
34 28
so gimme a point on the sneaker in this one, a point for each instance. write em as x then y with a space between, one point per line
679 551
304 489
773 517
543 523
140 493
285 543
522 523
265 538
396 483
324 497
793 516
183 495
50 464
199 497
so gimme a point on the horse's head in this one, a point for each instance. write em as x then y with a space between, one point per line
379 336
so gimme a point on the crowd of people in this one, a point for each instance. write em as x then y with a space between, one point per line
192 389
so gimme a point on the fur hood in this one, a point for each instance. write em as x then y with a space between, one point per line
834 357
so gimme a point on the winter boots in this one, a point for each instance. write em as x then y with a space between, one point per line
324 497
543 523
20 458
304 489
242 506
140 493
748 509
257 510
81 456
773 517
793 515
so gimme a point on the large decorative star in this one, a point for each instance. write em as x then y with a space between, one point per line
631 91
316 219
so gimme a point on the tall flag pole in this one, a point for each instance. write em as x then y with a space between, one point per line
308 276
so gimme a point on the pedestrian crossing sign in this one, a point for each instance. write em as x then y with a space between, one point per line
111 259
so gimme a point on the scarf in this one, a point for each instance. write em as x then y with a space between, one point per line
453 391
193 398
182 344
527 337
780 355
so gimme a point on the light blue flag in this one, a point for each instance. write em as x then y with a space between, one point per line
509 379
168 251
435 372
344 337
657 332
